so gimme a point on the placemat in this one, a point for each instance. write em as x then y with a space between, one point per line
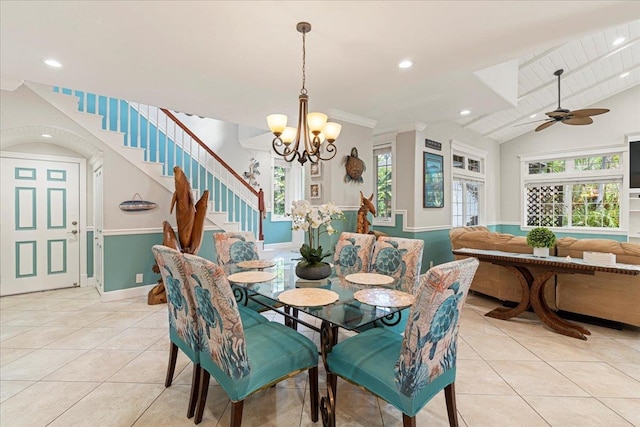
369 279
384 297
256 263
308 297
251 277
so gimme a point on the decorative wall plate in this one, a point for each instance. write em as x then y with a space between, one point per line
308 297
251 277
137 204
384 297
369 279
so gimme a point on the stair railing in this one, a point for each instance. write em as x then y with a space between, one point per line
168 141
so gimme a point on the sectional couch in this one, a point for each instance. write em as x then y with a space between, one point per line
607 296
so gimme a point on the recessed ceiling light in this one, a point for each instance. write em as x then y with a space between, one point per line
45 135
465 112
618 41
405 64
52 63
623 75
532 116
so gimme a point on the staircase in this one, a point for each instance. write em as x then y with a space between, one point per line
155 141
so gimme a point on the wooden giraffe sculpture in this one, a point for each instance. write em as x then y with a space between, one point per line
366 206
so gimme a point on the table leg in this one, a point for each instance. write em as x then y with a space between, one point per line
525 279
328 338
551 319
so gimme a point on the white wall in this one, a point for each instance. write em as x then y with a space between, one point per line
444 133
22 108
606 130
335 189
409 149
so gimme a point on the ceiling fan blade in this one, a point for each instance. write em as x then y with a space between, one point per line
528 123
589 112
578 121
557 113
545 125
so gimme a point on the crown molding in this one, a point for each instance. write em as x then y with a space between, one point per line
406 127
352 118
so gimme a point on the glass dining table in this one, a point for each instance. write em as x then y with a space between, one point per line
345 312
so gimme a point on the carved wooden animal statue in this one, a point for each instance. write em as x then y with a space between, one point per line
366 206
190 220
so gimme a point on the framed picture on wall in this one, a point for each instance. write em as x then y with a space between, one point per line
315 170
315 191
433 185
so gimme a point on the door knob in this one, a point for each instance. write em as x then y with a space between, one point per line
74 223
74 231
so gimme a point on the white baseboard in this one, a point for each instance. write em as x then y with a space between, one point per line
126 293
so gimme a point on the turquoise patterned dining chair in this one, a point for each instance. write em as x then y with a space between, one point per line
236 246
183 328
243 360
409 371
352 253
233 247
401 259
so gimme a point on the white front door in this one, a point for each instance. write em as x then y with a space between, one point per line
39 224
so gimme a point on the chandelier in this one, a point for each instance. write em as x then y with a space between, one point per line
313 128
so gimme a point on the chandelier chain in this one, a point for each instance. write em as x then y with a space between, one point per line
304 61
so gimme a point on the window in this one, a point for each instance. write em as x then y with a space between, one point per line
468 180
578 192
279 191
382 158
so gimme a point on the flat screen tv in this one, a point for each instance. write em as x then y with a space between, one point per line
634 164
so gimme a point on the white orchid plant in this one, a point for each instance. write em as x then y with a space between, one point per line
314 221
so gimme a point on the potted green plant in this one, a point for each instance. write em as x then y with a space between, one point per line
541 239
314 221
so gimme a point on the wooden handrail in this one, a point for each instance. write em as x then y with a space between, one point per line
259 194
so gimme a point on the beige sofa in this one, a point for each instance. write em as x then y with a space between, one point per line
604 295
491 279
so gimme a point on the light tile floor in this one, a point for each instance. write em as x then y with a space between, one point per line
67 359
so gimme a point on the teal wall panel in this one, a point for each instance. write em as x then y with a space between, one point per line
127 255
276 231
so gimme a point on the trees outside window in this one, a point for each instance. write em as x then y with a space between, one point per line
579 191
384 180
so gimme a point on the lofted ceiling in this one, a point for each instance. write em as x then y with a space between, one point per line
595 68
238 61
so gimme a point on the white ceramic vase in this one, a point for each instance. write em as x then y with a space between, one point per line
541 252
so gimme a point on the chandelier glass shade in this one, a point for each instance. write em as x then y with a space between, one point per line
307 140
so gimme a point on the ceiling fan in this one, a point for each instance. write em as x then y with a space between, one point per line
576 117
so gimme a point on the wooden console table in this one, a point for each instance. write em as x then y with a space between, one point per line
533 288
